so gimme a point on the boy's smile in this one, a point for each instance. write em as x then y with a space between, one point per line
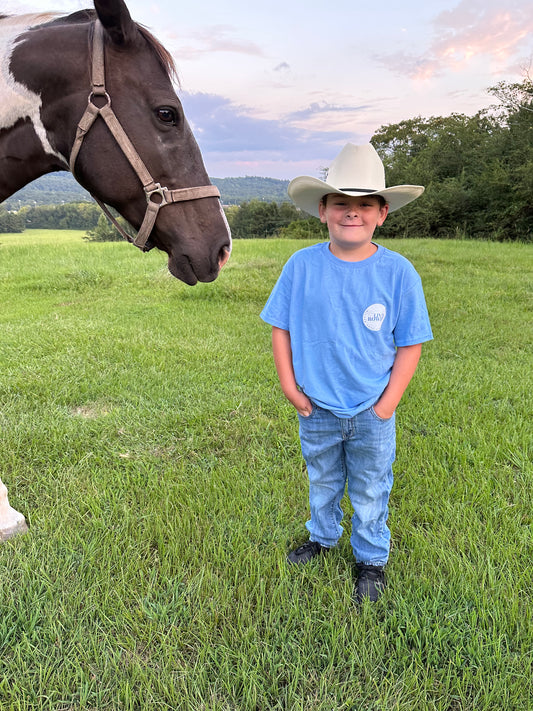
351 223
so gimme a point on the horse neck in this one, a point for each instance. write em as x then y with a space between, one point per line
26 150
22 159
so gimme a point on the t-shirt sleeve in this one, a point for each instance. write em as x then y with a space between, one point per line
412 325
277 309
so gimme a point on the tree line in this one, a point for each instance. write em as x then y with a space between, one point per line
477 171
71 216
254 219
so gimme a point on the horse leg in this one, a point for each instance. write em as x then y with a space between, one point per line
11 521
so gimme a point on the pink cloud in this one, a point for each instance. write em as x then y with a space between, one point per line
473 29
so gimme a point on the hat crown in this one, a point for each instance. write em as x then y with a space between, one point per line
356 171
357 168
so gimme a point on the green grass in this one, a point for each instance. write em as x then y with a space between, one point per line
145 438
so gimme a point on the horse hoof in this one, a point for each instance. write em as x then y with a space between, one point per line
14 528
11 522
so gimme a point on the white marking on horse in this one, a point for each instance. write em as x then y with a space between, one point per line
225 219
17 101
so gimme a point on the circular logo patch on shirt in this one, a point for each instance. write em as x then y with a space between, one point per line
374 316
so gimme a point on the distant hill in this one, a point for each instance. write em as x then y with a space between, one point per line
235 191
58 188
52 189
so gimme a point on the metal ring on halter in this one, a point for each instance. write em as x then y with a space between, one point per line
104 94
158 190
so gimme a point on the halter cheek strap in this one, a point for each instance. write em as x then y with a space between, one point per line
157 196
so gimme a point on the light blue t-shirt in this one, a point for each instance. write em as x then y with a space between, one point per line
346 320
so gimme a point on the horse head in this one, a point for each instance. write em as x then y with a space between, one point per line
129 143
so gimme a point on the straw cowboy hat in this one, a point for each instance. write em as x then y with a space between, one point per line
356 171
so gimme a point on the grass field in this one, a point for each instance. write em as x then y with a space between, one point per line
145 438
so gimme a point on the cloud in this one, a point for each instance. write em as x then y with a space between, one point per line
321 107
415 67
214 39
223 126
231 133
473 29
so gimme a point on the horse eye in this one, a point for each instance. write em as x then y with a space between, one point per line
167 115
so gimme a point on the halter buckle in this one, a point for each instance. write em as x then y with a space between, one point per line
158 190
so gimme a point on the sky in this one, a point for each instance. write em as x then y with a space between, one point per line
276 89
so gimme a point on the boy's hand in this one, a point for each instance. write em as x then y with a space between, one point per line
302 403
281 346
403 369
383 414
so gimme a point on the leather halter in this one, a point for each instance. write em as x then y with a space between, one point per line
157 196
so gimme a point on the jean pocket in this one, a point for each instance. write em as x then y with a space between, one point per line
311 414
378 418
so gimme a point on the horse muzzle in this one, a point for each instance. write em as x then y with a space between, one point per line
191 270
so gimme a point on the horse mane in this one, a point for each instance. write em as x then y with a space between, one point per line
163 55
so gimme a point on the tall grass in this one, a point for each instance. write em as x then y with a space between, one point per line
146 440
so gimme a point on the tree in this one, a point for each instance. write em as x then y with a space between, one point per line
69 216
10 221
477 171
105 231
514 157
514 97
307 228
257 219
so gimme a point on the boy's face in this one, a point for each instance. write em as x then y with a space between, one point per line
351 223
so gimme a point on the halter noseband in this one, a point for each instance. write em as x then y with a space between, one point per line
157 196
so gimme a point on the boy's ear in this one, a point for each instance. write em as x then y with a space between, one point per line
383 212
322 212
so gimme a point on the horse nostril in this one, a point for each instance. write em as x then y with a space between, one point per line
223 256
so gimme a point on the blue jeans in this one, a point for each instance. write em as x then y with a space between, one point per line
356 453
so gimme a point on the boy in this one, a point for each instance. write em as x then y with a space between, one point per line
348 321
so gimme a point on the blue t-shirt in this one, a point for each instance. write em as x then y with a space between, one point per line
346 320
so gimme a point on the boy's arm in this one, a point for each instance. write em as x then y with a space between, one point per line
403 369
281 348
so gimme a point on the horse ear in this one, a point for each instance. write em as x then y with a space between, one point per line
116 19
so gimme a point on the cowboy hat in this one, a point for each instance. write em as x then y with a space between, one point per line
356 171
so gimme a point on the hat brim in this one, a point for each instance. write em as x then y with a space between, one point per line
306 193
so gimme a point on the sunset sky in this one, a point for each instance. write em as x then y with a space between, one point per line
277 88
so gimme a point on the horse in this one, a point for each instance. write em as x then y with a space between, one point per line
92 92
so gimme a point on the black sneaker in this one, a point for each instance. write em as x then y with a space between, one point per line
371 582
305 553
